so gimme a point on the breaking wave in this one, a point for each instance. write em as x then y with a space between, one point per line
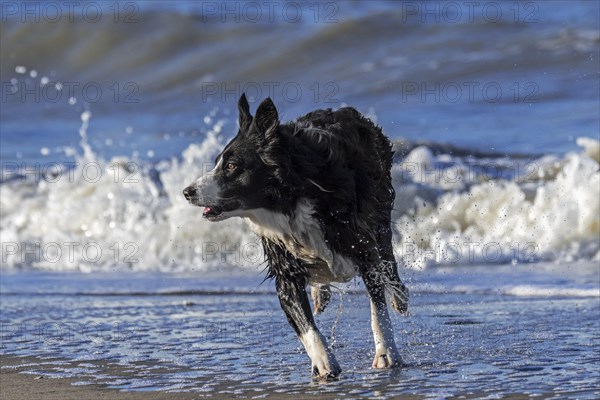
452 207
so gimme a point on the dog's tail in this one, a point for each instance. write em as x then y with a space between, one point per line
399 295
321 294
397 290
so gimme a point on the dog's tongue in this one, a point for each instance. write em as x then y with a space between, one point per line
207 210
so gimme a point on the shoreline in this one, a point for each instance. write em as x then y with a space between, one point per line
16 384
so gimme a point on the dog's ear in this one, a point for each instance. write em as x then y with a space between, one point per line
245 118
266 119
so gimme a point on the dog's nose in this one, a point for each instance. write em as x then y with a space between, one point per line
189 192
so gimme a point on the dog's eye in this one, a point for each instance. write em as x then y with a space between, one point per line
230 166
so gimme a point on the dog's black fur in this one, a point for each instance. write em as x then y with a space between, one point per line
339 162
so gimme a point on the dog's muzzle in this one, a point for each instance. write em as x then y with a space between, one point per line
190 193
204 193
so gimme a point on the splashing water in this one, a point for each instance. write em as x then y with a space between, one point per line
123 213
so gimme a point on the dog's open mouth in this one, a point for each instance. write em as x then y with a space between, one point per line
212 213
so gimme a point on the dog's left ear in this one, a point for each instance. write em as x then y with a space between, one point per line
266 119
245 118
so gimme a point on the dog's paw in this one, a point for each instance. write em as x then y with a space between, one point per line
325 369
386 358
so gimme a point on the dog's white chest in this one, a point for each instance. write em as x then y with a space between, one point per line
303 238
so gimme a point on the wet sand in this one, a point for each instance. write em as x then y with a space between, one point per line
16 383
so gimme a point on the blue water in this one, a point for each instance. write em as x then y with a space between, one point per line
205 334
524 81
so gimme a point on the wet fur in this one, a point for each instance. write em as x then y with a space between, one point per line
339 162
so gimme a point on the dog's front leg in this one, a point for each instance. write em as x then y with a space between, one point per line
294 302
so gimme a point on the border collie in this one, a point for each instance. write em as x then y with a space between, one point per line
318 192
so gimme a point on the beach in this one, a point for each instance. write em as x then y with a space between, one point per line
153 334
17 385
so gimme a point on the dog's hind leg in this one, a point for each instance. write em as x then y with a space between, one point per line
386 354
294 302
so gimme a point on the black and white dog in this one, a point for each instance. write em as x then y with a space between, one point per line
318 192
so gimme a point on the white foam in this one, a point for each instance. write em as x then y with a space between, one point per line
142 222
537 291
591 147
556 214
116 206
507 290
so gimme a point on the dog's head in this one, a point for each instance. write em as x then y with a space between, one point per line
245 174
